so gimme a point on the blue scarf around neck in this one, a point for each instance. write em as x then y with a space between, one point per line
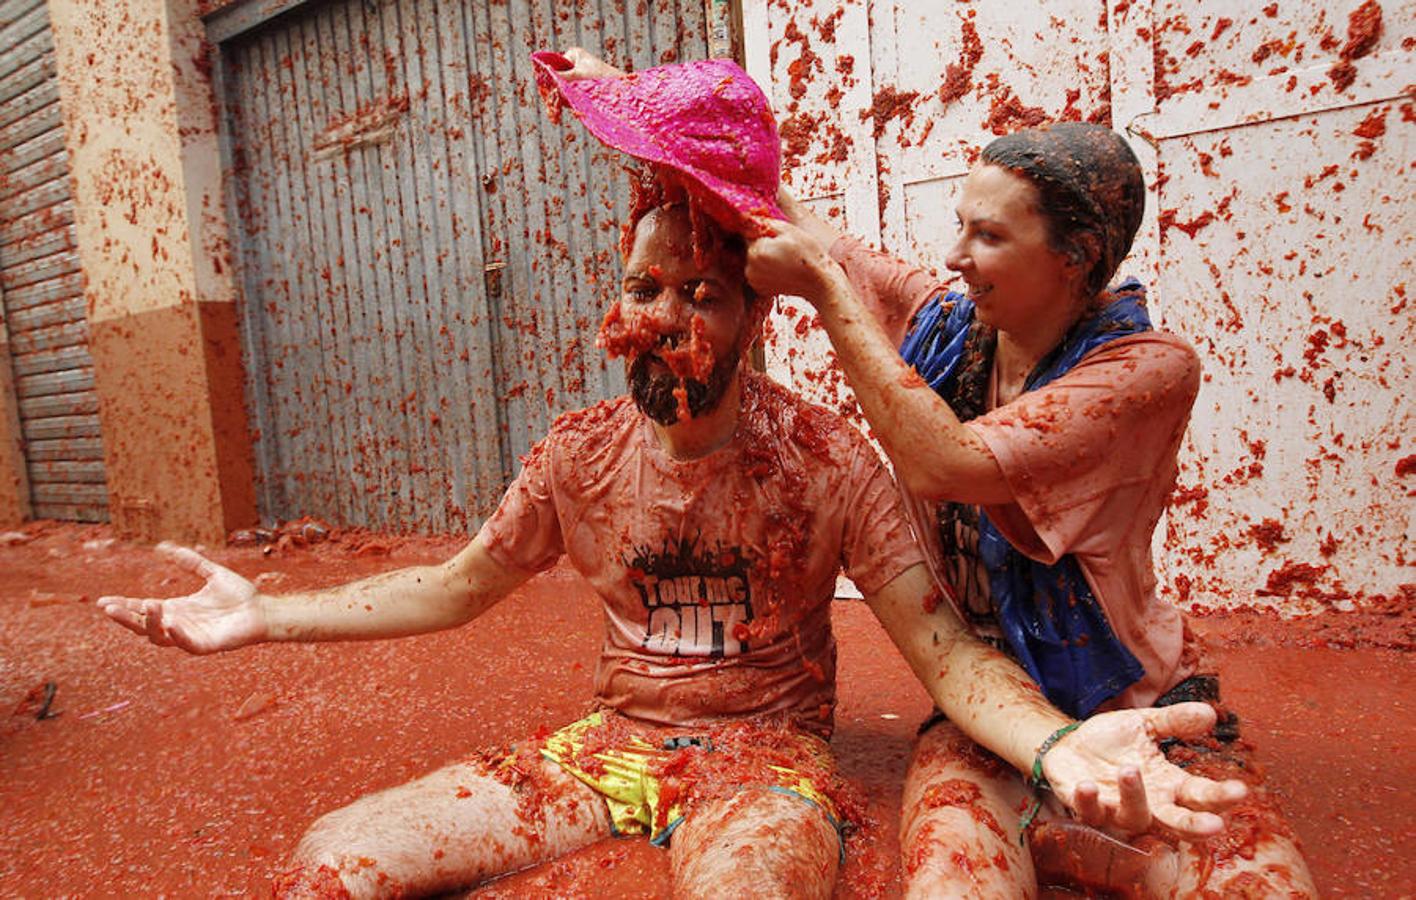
1052 622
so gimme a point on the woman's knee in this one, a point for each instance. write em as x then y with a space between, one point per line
1273 866
959 822
950 771
1257 853
962 851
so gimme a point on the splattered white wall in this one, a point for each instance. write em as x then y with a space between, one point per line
1277 145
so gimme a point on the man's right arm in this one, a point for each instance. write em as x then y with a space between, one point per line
407 601
228 612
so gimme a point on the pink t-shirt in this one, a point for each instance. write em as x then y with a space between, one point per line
1090 458
716 573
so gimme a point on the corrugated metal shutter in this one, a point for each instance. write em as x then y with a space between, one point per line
40 277
425 256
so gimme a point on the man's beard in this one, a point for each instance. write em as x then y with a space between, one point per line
654 393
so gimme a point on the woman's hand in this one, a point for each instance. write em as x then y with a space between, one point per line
788 259
1111 773
585 64
802 216
224 614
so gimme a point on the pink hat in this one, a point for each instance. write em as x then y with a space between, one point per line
706 119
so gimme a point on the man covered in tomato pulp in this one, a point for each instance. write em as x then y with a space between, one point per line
711 511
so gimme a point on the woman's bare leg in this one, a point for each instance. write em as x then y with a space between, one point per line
1257 856
756 843
457 826
959 822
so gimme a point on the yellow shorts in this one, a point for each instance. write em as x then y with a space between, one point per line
645 785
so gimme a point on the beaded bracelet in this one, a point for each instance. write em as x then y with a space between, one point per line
1037 780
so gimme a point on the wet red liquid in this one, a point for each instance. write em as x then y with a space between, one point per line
172 793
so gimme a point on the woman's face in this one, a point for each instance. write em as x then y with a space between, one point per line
1014 276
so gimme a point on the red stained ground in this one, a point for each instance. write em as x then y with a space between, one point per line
170 791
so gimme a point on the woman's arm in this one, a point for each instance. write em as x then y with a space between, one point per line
1109 770
979 688
890 290
934 454
585 64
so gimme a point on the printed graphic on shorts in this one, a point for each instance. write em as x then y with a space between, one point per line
697 597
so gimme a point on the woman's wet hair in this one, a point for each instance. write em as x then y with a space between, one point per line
1089 187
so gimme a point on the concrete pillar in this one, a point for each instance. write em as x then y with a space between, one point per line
151 227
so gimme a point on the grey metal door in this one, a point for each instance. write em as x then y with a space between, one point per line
425 256
40 280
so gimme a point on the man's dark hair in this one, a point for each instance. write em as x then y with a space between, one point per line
654 187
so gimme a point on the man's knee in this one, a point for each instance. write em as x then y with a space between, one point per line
770 843
320 865
343 848
310 882
331 837
953 780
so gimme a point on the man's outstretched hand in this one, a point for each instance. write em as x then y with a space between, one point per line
225 614
1141 788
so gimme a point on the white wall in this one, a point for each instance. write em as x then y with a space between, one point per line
1277 144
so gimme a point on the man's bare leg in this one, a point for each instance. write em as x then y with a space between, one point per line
756 843
457 826
959 822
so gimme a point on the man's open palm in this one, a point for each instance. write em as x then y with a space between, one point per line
224 614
